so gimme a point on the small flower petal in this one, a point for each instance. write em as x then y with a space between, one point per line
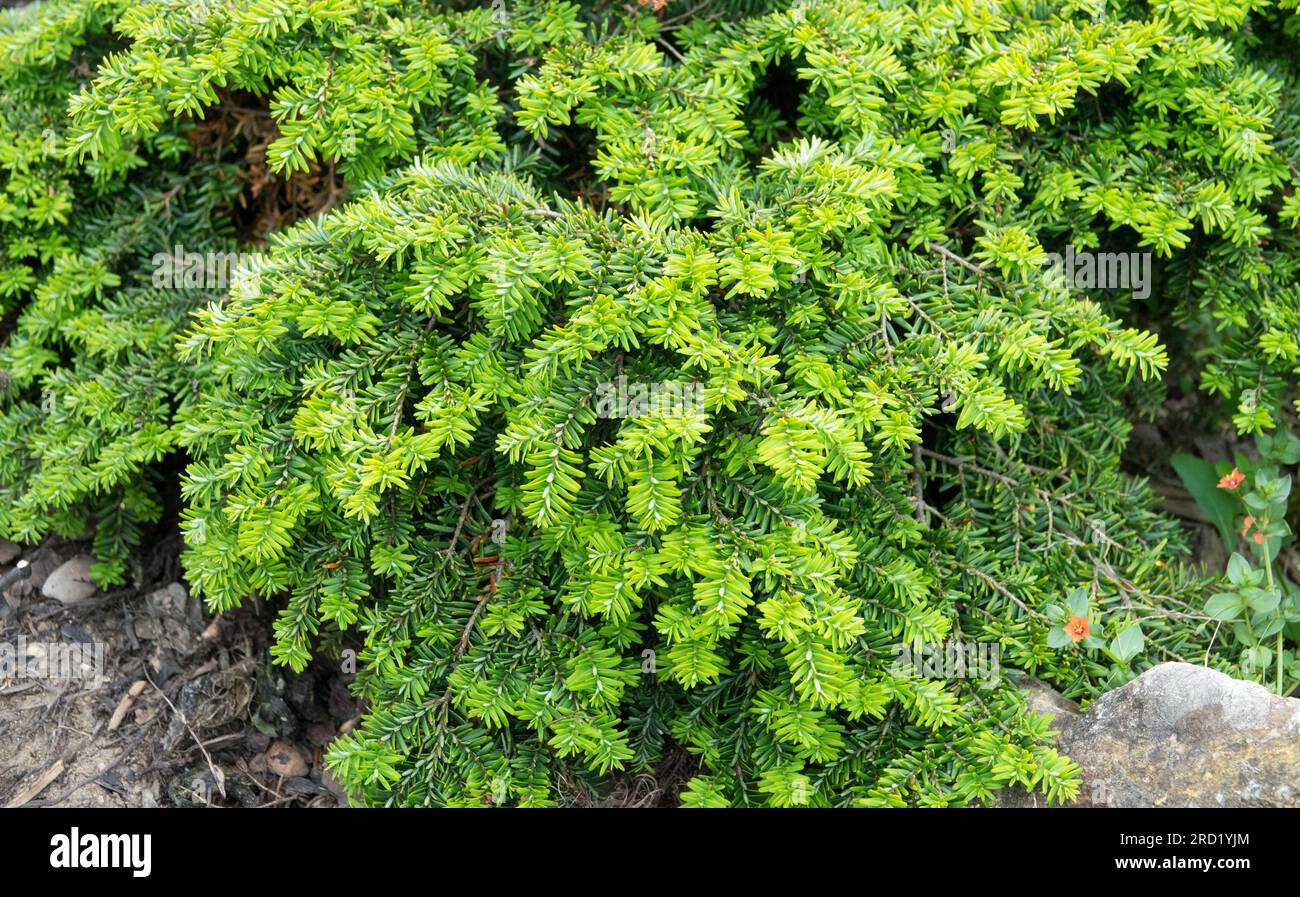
1077 628
1231 480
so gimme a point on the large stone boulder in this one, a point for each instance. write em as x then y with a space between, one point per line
1179 735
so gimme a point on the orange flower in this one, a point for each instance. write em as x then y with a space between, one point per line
1246 525
1259 538
1231 480
1077 629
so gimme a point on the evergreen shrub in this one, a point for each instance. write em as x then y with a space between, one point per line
665 372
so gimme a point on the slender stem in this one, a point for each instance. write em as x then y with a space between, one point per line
1280 689
1268 570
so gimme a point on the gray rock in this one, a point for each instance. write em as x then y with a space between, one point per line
1179 736
172 617
71 582
288 760
1046 701
8 551
169 601
148 629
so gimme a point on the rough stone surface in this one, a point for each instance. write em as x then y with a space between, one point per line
1178 736
287 760
170 600
8 551
1047 701
71 582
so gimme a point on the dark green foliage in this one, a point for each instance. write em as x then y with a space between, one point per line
90 375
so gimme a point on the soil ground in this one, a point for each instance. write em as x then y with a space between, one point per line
180 709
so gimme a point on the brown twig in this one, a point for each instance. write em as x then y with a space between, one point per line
949 254
498 568
918 487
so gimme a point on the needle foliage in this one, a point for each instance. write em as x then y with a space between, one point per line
668 369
